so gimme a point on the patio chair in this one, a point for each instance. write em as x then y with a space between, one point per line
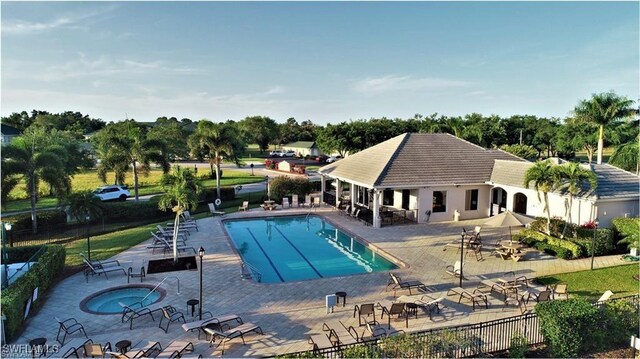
364 310
168 233
91 350
213 209
171 315
68 327
159 239
168 247
475 297
233 333
294 201
307 201
74 348
510 278
347 210
133 311
150 350
186 215
495 287
605 297
454 270
373 330
176 349
519 301
396 282
322 341
561 288
316 202
100 264
476 249
398 309
340 334
245 206
219 323
427 303
285 202
90 269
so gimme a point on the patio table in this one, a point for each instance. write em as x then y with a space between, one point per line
511 247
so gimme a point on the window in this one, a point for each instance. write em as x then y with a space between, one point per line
363 196
471 200
387 197
439 201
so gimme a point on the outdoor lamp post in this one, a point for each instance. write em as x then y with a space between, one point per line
200 254
461 254
251 165
5 256
593 243
266 186
7 227
87 218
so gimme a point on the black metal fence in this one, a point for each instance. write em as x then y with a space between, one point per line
469 340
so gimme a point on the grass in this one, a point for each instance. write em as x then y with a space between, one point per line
606 154
88 180
591 284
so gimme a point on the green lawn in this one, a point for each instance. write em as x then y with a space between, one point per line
88 180
592 284
606 153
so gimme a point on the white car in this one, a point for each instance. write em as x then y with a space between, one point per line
333 159
112 193
276 153
288 154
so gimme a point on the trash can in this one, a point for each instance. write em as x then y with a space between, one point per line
456 216
330 301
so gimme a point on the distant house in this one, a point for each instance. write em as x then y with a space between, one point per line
8 133
439 177
303 148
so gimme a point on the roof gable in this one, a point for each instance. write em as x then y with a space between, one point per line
301 144
9 130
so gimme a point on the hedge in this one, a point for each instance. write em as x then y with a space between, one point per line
530 237
21 254
22 221
132 211
283 186
604 241
42 276
626 231
209 195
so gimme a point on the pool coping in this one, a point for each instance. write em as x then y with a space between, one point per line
388 256
83 303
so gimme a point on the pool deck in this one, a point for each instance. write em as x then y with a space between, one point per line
289 312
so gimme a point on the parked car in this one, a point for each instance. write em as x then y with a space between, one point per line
333 159
112 193
288 154
276 153
322 158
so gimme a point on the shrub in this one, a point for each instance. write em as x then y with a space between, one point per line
627 231
556 227
622 321
604 241
553 250
559 246
45 218
42 275
132 211
283 186
518 346
569 327
362 351
21 254
209 195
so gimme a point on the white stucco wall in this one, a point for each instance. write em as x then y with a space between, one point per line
455 201
608 210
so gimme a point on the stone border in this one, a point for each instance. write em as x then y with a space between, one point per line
83 303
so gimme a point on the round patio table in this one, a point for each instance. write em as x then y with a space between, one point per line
511 247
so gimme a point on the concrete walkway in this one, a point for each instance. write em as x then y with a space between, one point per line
289 312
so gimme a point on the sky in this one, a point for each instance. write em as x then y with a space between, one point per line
322 61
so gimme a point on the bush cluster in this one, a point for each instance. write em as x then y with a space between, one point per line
574 327
283 186
560 247
20 254
42 275
23 221
132 211
209 195
626 231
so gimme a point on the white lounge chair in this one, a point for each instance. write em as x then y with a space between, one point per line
213 209
294 201
244 207
285 202
230 334
91 269
455 269
168 247
605 297
307 201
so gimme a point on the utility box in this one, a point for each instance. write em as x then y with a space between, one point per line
456 216
330 301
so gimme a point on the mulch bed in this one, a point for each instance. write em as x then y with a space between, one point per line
169 265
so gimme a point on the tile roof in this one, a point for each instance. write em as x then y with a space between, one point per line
613 182
415 160
9 130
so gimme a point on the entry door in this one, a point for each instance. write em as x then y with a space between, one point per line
406 194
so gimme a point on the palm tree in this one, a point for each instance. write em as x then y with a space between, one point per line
603 109
544 178
212 140
24 158
625 156
84 206
182 190
574 179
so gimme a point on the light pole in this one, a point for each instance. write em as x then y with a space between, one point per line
461 254
251 165
5 256
266 186
87 218
593 244
200 254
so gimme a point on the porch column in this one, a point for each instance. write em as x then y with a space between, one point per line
338 191
322 188
376 209
352 193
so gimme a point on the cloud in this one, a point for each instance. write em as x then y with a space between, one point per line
23 27
395 83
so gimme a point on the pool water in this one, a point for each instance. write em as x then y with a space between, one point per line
297 248
108 302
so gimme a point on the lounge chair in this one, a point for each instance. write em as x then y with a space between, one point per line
373 330
316 202
364 310
72 349
307 201
476 297
219 322
244 207
294 201
131 312
285 202
519 301
149 350
424 302
90 269
510 278
322 341
605 297
176 349
68 327
170 315
347 211
340 334
454 270
213 209
100 264
398 309
91 350
168 233
186 215
397 283
230 334
168 247
496 287
561 288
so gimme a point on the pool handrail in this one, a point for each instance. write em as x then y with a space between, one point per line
252 272
30 263
141 302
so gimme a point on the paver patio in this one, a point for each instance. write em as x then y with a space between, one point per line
289 312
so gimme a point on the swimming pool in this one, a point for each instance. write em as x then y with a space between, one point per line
108 301
294 248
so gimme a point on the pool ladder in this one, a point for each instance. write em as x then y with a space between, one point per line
141 303
250 272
